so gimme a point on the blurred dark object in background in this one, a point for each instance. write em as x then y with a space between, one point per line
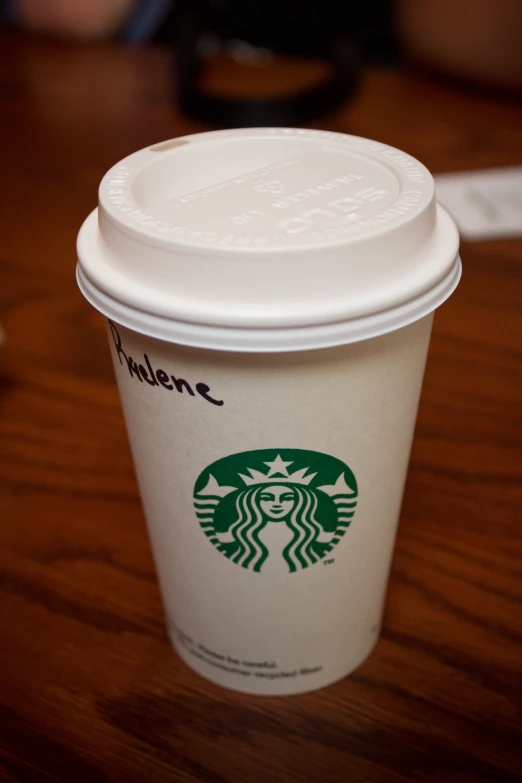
255 32
244 62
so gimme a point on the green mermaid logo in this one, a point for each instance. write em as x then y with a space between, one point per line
287 505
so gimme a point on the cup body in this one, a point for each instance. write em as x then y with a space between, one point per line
272 485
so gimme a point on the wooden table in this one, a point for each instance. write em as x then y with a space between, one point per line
90 689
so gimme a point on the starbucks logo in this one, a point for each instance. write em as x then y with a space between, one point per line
289 505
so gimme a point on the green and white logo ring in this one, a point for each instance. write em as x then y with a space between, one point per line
313 494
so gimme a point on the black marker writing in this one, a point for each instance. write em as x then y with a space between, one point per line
145 372
204 390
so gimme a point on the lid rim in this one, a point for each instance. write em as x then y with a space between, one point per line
286 339
242 317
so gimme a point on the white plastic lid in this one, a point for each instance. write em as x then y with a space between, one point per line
267 239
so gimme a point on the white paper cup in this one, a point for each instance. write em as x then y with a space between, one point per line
270 296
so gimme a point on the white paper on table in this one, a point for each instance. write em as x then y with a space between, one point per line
485 204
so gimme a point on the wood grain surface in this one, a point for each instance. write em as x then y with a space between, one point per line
90 690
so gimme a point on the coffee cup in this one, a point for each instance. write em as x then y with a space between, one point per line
269 295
